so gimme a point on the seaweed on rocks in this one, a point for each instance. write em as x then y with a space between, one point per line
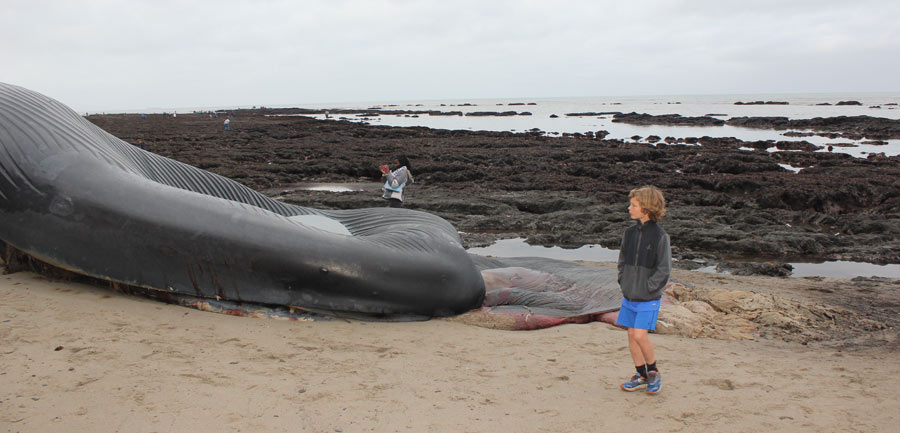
565 191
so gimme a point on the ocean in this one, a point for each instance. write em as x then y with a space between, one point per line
798 106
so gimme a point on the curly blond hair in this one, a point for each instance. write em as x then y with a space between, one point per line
651 199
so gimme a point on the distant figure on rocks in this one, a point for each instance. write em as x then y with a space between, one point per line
396 180
141 144
228 124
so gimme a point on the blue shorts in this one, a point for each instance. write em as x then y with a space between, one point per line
639 315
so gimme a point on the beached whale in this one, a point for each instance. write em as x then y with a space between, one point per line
78 198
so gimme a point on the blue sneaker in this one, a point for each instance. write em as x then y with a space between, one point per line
654 382
637 381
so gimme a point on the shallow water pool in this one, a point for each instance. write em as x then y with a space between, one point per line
596 253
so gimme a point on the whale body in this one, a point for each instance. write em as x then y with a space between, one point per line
78 198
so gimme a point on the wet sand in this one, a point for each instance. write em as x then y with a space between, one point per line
78 358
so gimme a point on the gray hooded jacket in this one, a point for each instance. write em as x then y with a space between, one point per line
645 262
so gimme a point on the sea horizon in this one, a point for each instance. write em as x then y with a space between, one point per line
894 94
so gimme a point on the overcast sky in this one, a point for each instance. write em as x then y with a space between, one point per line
96 55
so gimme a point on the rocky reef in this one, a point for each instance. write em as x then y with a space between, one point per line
725 202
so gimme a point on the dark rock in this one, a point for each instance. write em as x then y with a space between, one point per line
798 134
853 127
761 103
760 122
593 114
796 145
492 113
768 269
666 119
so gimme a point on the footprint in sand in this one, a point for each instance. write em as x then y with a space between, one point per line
723 384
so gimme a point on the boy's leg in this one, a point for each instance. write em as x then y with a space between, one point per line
640 364
640 346
639 321
641 338
625 319
639 380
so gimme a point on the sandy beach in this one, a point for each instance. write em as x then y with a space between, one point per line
737 352
78 358
199 223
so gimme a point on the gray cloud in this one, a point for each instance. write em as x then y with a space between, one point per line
106 55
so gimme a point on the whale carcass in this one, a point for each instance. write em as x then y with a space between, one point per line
78 198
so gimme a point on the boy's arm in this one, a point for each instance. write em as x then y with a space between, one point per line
660 276
621 259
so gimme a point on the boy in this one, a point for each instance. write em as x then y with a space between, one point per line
645 262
